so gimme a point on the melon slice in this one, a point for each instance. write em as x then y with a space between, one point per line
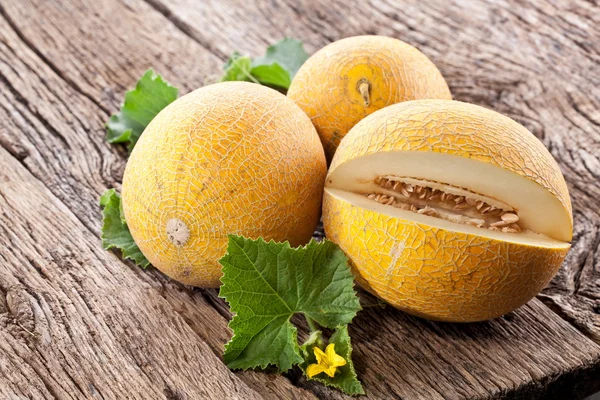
448 210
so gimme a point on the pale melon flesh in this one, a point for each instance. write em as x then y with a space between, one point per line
542 216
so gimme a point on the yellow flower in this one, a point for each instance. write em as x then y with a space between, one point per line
327 361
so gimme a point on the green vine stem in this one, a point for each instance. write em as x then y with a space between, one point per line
311 324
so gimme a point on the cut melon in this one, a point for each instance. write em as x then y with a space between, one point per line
448 210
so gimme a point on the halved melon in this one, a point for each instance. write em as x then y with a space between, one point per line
448 210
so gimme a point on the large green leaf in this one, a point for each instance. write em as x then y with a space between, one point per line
276 68
265 284
288 53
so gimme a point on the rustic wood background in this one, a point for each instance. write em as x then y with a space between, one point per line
76 322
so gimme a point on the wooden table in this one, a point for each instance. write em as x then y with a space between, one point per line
76 322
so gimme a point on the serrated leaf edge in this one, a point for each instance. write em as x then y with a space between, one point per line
350 365
108 193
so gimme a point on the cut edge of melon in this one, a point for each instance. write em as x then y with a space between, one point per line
544 219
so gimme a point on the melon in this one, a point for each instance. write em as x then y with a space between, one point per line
349 79
447 210
229 158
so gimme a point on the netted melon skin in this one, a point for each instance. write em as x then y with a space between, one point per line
435 273
325 87
230 158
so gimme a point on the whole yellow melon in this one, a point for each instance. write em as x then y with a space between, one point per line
349 79
448 210
229 158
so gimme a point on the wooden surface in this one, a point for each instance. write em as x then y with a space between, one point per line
76 322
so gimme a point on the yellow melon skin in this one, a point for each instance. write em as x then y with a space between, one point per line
327 86
230 158
434 272
458 129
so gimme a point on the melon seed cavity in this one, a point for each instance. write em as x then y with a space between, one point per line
447 202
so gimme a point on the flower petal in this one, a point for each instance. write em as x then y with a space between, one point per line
314 369
333 358
330 350
337 361
319 354
330 371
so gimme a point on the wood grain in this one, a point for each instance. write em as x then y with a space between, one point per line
76 323
93 320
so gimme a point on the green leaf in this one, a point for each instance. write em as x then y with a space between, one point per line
115 232
272 75
276 68
265 284
151 94
315 339
288 53
237 68
345 378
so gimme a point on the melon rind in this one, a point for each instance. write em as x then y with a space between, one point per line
325 87
229 158
434 268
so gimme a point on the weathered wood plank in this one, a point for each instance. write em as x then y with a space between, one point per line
430 360
100 47
522 355
76 323
534 61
